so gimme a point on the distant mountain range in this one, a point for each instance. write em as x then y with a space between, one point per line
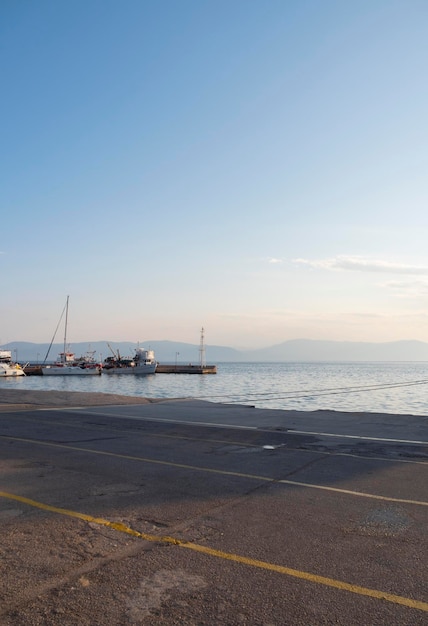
293 350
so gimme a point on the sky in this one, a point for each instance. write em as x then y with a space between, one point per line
254 167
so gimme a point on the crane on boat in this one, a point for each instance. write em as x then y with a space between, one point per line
116 356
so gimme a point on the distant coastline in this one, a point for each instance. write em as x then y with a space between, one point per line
295 350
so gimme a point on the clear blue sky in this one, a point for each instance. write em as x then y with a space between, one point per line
256 167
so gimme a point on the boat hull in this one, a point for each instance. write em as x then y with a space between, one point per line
52 370
141 370
10 371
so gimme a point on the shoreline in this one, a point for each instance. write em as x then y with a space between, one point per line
28 399
306 388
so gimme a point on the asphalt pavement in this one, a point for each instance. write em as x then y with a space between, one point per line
189 512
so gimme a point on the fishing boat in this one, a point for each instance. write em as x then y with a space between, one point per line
143 362
67 364
7 366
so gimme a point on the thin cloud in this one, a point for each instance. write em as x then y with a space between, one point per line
360 264
412 288
275 261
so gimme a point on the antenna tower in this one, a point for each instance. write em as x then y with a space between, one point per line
202 350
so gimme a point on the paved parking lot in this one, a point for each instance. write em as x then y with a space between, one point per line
195 513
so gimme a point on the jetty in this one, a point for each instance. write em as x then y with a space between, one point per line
32 370
36 370
186 369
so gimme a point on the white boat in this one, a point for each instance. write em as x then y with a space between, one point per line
7 367
143 362
67 364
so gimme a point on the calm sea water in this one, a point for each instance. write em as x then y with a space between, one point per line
374 387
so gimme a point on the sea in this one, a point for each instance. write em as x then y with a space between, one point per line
382 387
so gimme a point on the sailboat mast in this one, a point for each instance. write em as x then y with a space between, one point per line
65 329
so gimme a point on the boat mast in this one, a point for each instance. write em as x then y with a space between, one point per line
65 329
202 349
56 330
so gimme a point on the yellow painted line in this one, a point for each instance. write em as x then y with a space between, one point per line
222 472
349 492
81 427
228 556
232 426
294 483
138 458
246 444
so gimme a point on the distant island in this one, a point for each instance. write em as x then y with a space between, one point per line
295 350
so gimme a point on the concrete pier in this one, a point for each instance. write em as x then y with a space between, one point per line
36 370
186 369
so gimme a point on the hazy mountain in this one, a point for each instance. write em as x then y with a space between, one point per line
294 350
316 350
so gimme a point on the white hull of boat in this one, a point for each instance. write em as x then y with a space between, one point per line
137 370
52 370
10 370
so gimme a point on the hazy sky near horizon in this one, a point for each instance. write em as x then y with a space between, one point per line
255 167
